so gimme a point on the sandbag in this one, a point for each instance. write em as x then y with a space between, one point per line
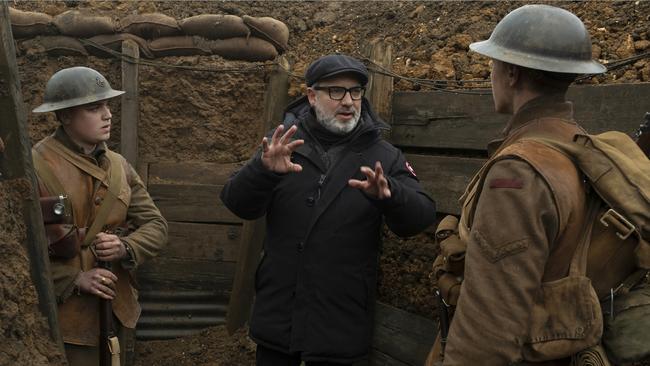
114 42
178 46
74 23
214 26
240 48
269 29
29 24
54 46
149 26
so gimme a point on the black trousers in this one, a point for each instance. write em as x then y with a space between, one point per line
269 357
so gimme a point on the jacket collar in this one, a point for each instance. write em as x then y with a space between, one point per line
65 139
527 120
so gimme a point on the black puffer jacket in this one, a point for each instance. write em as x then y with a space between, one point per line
315 286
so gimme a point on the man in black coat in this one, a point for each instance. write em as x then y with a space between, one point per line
326 181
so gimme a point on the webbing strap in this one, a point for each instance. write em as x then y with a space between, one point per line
114 184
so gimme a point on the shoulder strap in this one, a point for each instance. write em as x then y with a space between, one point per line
76 160
114 187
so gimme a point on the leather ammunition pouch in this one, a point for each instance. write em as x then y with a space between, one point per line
449 266
64 241
55 209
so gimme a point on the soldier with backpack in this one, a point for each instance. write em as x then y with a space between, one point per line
552 232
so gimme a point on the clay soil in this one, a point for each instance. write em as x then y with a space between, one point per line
215 117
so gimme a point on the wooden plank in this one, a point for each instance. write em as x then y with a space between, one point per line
143 171
130 103
403 336
16 164
203 241
445 178
379 90
186 274
378 358
457 121
191 203
191 172
241 301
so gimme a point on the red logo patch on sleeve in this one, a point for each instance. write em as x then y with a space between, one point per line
506 183
410 169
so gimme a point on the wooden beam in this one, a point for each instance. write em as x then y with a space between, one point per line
130 103
379 90
186 274
191 203
445 178
16 164
203 241
241 301
459 121
401 336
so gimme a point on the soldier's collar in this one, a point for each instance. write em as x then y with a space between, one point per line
62 137
554 106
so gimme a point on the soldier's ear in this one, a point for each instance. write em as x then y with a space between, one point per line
63 116
514 74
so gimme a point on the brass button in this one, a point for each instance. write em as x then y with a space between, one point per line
98 200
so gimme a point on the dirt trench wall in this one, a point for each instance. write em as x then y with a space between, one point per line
24 337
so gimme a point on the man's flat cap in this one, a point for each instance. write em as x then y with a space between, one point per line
330 65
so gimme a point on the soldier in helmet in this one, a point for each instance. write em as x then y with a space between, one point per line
523 214
103 193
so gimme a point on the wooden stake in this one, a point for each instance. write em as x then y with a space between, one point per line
130 104
380 87
253 232
16 163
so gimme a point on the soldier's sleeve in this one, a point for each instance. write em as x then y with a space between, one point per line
151 228
515 223
409 210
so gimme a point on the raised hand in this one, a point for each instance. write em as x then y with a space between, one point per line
376 184
99 282
276 155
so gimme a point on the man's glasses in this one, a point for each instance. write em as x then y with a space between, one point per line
338 92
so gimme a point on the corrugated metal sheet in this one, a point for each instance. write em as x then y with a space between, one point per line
177 313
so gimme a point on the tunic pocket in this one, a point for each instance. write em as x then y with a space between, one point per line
565 320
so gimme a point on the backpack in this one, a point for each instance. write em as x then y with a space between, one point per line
618 172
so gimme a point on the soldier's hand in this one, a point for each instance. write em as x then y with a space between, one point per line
375 185
97 281
276 155
109 247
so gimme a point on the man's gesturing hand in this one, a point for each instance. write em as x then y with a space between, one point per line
276 156
376 184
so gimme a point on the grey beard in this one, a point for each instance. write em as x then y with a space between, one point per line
334 125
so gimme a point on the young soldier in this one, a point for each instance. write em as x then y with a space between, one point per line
104 195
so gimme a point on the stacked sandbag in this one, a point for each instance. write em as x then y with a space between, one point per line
114 42
157 35
178 46
54 45
150 26
74 23
269 29
214 26
29 24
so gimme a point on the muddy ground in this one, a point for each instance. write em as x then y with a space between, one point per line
213 116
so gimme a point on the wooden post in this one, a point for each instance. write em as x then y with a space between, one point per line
16 163
380 87
253 232
130 104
